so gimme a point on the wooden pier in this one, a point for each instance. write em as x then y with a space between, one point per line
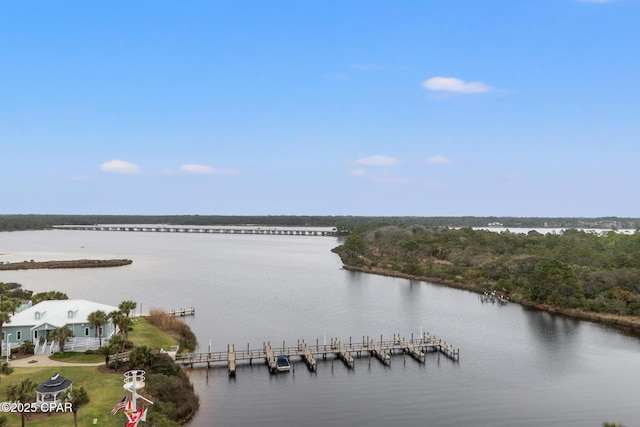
381 349
182 312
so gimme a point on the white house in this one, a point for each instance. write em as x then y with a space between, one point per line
36 323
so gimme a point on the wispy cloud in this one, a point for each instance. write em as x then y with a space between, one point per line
357 172
206 170
438 160
379 171
120 166
378 160
452 84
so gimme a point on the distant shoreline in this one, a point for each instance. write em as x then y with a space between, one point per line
79 263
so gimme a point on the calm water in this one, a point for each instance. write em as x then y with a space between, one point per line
517 367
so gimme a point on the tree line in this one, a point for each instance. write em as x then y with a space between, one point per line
594 272
354 224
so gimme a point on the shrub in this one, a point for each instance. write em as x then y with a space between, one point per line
174 327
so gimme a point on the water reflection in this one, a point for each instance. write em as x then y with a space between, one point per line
549 329
518 367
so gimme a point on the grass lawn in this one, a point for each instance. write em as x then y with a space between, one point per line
78 357
105 391
144 333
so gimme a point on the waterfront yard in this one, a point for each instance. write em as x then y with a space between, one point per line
144 333
105 391
104 386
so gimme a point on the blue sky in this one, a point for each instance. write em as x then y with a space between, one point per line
425 108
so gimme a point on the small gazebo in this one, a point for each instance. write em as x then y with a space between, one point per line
53 390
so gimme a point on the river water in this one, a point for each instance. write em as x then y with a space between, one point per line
517 367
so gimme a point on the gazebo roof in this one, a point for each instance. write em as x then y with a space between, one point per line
54 384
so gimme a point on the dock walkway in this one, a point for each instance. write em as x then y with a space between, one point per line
381 349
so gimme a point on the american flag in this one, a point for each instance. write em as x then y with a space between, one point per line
121 405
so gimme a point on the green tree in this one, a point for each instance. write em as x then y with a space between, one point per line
97 319
123 322
23 392
5 368
48 296
555 282
141 358
354 248
62 335
126 307
118 342
77 397
7 307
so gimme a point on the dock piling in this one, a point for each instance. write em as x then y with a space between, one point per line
382 350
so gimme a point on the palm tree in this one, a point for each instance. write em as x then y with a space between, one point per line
22 392
97 318
127 306
117 344
77 397
61 334
117 341
141 358
123 322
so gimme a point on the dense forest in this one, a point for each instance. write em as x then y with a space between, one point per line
578 270
351 223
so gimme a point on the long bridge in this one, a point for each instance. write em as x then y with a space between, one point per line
309 353
164 228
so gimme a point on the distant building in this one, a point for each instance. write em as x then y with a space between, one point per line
36 323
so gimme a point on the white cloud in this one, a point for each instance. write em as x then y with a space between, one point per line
120 166
451 84
357 172
378 160
206 170
438 160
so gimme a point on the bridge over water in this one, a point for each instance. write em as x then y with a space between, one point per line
246 229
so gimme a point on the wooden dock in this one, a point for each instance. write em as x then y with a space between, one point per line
182 312
381 349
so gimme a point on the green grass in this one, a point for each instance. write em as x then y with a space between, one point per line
105 391
72 357
144 333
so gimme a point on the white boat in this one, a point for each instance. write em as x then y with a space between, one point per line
282 363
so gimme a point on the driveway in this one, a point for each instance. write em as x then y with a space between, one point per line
44 360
